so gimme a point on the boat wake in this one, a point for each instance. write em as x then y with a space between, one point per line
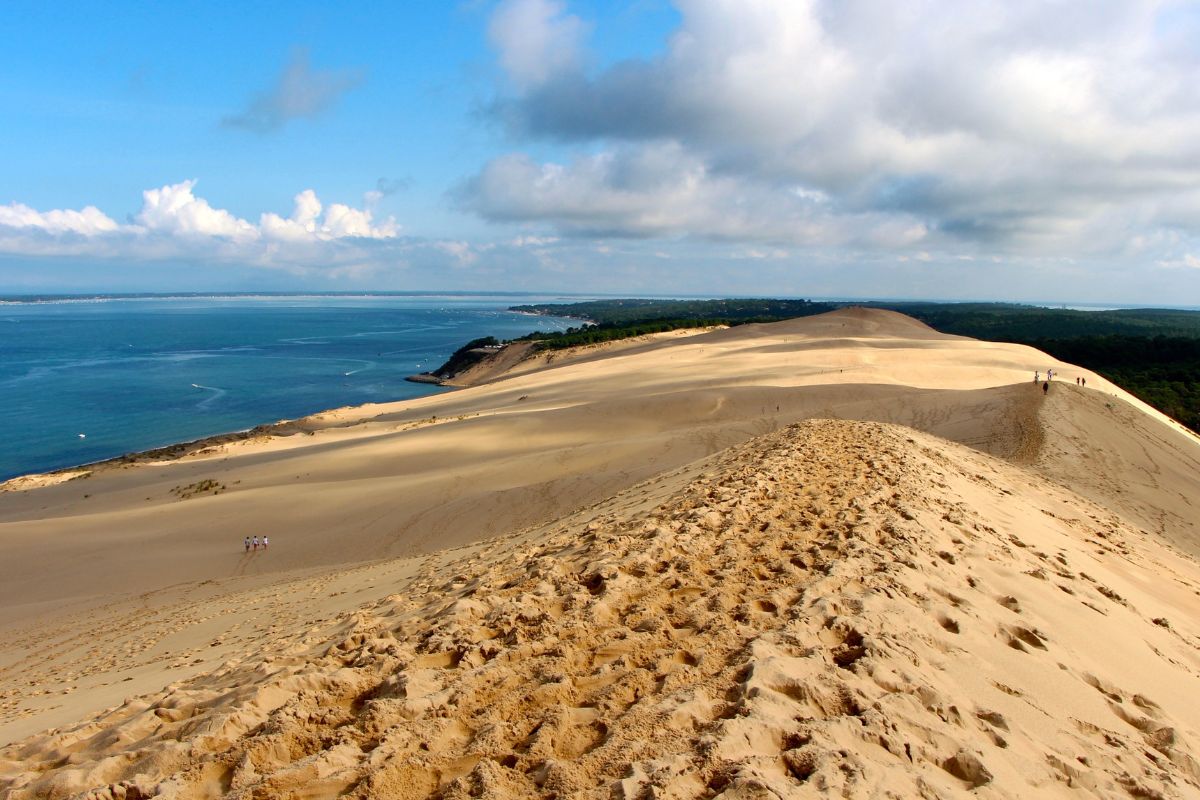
216 395
366 366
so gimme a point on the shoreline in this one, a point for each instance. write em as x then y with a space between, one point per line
43 457
178 450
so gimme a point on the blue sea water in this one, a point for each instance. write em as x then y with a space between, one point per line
136 373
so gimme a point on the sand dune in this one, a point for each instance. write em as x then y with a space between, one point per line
629 572
836 608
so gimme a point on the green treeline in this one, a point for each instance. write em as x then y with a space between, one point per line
725 312
1010 322
612 331
466 356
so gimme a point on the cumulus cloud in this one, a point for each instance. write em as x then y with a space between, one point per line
1025 126
300 92
173 209
174 222
85 222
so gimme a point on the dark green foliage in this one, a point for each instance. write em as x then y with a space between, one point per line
1010 322
466 356
631 311
610 331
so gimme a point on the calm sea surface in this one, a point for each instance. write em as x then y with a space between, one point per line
136 373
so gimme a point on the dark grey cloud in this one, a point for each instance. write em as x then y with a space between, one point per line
300 92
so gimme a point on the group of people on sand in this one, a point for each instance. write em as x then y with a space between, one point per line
252 541
1037 378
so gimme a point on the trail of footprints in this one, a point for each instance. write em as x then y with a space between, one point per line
781 626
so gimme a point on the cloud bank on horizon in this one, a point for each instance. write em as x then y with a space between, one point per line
174 222
1057 138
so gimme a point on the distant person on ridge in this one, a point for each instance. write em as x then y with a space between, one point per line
1037 376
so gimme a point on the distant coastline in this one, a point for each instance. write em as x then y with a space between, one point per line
28 298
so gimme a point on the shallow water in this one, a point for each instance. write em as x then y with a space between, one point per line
82 381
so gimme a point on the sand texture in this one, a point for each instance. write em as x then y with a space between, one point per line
712 566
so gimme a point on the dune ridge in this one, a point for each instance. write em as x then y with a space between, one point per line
852 507
837 608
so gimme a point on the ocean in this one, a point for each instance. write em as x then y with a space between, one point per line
83 380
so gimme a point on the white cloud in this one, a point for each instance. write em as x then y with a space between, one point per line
535 39
462 253
1027 127
85 222
173 209
1186 261
760 253
533 241
174 222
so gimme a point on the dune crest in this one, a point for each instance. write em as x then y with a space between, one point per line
833 609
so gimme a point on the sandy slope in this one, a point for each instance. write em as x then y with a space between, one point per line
839 609
114 584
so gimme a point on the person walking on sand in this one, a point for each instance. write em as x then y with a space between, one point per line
1046 387
247 544
255 540
266 542
1037 376
1083 382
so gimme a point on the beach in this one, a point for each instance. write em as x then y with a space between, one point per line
826 555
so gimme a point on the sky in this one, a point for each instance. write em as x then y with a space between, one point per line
1033 151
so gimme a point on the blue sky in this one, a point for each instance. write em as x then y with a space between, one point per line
986 150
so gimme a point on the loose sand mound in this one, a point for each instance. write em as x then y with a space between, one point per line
834 609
